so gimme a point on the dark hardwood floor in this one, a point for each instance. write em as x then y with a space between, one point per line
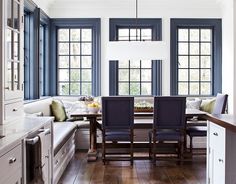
79 171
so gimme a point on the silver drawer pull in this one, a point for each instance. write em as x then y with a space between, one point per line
14 110
12 160
221 160
216 134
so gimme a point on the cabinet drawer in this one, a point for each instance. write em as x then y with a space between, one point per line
11 162
13 110
217 133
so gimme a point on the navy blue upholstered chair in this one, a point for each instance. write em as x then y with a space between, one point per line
201 131
117 125
168 123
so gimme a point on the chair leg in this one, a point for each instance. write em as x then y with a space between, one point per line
154 150
150 146
191 144
103 150
181 152
131 149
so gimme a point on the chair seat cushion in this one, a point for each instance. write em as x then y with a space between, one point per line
61 133
167 135
197 131
82 124
117 135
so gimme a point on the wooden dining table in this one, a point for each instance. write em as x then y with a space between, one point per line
94 125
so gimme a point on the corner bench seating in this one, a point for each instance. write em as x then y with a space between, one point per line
63 135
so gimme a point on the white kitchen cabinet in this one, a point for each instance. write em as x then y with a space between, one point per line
11 58
11 166
221 157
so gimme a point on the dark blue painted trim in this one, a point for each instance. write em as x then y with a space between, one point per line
95 24
113 78
154 23
216 25
157 77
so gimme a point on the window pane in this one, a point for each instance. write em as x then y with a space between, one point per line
86 62
16 15
183 74
134 89
146 74
205 88
194 61
194 75
86 48
75 61
206 48
134 34
63 75
194 48
183 34
183 48
86 89
86 35
146 64
123 75
205 74
194 34
146 88
146 34
134 64
183 88
134 75
205 61
183 61
64 88
75 35
123 34
74 75
123 88
63 35
86 75
75 48
63 49
194 88
9 13
205 34
123 64
75 89
63 61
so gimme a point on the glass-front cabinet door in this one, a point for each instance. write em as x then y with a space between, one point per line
14 49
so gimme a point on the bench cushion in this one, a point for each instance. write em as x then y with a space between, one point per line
62 131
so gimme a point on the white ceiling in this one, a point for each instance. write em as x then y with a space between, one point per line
47 5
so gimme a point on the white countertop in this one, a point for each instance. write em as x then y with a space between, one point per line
16 131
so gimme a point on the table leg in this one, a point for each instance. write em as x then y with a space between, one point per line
93 153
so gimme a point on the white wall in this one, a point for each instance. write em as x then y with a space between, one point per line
228 52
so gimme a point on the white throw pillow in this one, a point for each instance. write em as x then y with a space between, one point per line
194 104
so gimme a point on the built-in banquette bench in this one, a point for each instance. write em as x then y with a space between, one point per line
63 134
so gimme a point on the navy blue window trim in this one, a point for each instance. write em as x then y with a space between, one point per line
216 25
153 23
93 23
156 77
31 51
113 78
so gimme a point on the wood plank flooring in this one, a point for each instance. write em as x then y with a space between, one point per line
79 171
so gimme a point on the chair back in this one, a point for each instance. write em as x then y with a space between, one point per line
220 104
169 112
117 112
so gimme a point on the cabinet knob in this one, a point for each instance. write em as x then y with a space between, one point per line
12 160
14 110
221 160
216 134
